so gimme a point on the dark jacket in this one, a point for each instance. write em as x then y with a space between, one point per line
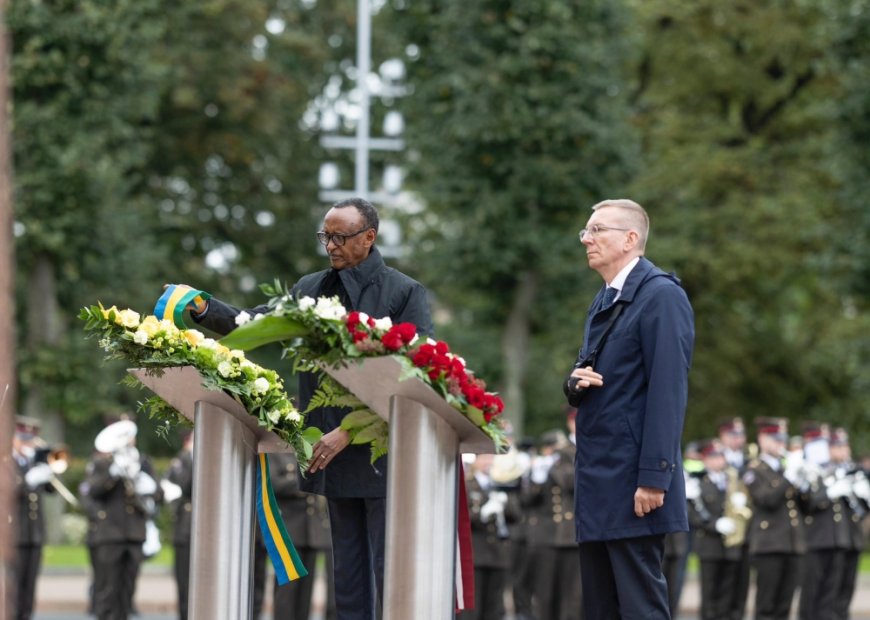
628 430
30 527
120 514
776 525
703 513
305 515
181 473
550 505
379 291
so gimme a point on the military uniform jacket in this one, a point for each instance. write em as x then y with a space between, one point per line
30 522
489 550
550 513
181 473
777 523
830 524
379 291
703 512
305 514
119 515
628 430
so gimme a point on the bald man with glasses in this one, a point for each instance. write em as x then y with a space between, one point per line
355 489
630 387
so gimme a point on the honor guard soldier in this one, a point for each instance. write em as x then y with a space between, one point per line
718 516
31 479
556 586
776 537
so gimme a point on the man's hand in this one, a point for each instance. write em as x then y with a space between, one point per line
647 499
325 450
586 377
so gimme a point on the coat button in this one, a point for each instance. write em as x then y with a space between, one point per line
764 525
129 510
32 497
663 465
101 514
188 507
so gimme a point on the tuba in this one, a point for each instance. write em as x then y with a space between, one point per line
737 508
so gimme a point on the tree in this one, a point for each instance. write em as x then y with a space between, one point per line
516 126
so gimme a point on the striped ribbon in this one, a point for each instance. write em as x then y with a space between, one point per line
286 561
464 577
174 300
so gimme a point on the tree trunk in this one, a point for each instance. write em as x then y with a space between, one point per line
8 381
515 350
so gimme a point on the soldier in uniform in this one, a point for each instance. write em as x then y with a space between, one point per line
776 537
181 474
307 521
732 434
549 500
121 486
490 511
31 480
854 510
719 557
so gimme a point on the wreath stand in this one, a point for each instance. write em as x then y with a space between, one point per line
427 436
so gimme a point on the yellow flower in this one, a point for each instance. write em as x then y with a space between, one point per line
127 318
193 336
108 311
150 325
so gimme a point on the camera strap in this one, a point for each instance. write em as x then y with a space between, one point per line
593 355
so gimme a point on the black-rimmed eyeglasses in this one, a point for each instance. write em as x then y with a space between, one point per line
337 238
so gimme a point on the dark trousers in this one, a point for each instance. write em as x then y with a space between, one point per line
719 580
741 589
358 536
520 579
27 561
846 590
822 575
292 601
489 587
776 579
556 586
116 568
182 577
623 579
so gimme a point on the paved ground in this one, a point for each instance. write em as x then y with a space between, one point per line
62 596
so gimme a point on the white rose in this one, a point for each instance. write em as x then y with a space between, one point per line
257 317
194 337
329 308
225 368
242 318
274 416
208 343
261 385
293 416
306 302
140 337
237 353
384 323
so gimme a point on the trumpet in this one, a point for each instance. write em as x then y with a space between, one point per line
57 458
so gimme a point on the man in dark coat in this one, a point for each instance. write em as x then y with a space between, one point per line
631 395
355 489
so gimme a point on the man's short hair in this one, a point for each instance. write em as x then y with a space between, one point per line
365 208
636 217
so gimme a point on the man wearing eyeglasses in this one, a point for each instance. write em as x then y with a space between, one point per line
630 387
355 489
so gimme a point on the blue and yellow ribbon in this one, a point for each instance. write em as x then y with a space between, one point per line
286 561
174 300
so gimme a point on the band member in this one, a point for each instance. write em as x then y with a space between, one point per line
181 475
124 493
776 537
31 479
718 527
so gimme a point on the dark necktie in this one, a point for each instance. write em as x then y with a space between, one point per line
609 296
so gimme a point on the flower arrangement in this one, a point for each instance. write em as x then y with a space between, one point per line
322 331
155 344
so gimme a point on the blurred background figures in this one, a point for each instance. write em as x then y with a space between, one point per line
549 502
123 492
178 492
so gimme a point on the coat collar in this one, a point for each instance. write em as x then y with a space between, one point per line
357 278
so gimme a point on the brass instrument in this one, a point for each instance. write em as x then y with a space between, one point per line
57 459
737 508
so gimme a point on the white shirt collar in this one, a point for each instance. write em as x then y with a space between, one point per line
619 281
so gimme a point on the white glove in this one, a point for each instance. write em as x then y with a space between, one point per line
839 488
693 488
144 484
171 491
541 469
725 526
151 546
493 506
791 474
861 488
127 463
38 475
739 499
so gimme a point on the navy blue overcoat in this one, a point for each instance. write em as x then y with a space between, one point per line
628 430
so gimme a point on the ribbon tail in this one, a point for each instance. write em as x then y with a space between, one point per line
285 559
464 577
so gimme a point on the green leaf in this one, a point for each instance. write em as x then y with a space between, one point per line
475 415
311 434
269 329
371 433
359 419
